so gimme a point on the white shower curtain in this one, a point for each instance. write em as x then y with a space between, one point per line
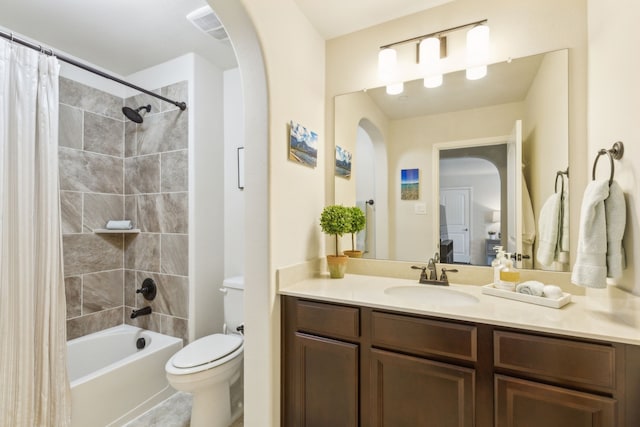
34 389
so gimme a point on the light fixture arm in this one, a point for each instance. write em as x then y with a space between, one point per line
436 34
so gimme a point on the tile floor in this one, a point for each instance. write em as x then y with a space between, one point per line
173 412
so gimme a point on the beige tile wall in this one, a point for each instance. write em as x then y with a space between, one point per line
114 169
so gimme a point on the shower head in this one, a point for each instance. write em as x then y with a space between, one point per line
135 115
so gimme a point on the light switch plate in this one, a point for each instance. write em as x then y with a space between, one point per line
420 208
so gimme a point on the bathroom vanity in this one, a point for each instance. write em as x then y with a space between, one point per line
356 355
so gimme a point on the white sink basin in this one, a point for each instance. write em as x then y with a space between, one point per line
432 295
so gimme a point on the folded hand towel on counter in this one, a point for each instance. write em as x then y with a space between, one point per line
552 291
616 215
590 269
531 287
119 225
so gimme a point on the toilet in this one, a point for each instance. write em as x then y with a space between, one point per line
210 368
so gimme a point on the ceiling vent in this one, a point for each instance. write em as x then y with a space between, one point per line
206 20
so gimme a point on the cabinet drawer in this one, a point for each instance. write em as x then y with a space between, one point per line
424 336
518 402
578 363
328 319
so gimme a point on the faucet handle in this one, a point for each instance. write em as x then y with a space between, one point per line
443 276
423 272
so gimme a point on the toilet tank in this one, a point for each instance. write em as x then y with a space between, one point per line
233 288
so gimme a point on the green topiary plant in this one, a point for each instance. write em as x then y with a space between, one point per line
357 222
335 220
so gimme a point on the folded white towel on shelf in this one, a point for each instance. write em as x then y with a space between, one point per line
548 224
615 212
531 287
119 225
590 269
552 292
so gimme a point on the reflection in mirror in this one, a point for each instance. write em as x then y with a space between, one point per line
435 131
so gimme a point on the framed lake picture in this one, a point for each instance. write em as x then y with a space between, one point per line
343 163
409 184
303 145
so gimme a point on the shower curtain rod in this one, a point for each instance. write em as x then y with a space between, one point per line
75 63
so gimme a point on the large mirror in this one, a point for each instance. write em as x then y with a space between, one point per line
460 168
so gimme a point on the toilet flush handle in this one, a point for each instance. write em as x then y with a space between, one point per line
223 290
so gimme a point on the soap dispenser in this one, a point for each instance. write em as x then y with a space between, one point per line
497 264
509 275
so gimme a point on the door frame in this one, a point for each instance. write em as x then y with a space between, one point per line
435 167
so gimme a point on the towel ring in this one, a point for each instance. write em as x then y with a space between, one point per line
614 152
560 174
555 187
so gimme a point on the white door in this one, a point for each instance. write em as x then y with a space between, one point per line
514 191
457 213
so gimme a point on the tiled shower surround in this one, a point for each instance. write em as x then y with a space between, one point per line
111 168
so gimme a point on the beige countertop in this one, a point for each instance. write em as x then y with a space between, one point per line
608 314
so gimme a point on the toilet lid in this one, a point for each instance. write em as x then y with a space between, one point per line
206 349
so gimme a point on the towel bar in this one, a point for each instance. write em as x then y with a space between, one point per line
615 152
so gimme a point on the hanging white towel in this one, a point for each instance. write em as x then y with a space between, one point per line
590 269
615 212
548 227
562 252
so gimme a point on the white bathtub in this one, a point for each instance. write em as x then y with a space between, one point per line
112 381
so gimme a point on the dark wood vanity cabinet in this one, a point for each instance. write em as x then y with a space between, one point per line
321 366
358 366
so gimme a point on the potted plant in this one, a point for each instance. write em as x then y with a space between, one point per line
334 220
357 222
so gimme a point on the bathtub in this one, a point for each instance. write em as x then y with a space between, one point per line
112 381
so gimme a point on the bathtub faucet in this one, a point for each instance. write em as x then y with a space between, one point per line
141 312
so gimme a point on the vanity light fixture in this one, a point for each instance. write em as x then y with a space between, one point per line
430 50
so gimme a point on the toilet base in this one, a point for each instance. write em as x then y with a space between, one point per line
211 408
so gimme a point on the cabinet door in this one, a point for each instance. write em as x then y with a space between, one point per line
521 403
325 383
409 391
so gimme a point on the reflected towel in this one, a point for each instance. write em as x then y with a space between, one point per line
531 287
562 252
119 225
616 215
548 227
590 269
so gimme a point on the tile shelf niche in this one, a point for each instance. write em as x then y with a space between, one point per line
108 231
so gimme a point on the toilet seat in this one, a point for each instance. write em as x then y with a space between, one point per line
205 353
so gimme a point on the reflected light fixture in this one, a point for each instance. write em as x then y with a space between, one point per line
477 52
387 64
430 50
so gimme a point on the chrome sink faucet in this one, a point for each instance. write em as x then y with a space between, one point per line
431 278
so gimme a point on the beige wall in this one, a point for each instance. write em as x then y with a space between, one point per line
283 199
614 103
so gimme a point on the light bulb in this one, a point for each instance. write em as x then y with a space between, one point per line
387 61
395 88
429 54
477 52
